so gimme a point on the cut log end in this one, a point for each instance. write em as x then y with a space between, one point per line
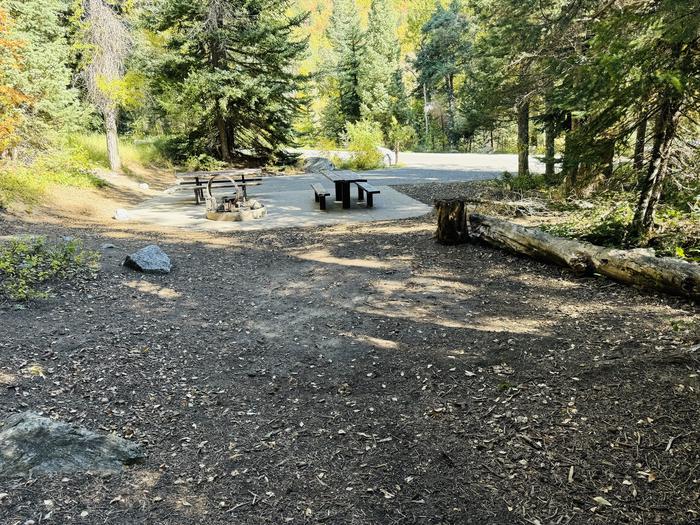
453 224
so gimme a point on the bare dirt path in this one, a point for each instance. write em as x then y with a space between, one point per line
359 375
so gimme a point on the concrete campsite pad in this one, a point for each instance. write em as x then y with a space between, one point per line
290 204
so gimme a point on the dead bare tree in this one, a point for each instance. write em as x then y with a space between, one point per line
109 41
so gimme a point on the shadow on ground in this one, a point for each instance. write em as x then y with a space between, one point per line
360 374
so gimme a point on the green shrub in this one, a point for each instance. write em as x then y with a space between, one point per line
364 138
527 182
30 266
204 162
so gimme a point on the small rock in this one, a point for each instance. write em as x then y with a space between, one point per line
150 259
108 246
143 186
121 215
31 444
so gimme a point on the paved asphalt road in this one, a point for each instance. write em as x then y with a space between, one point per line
415 168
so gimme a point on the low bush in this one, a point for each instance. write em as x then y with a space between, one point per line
31 267
363 140
522 183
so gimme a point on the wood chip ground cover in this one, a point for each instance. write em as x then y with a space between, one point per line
360 375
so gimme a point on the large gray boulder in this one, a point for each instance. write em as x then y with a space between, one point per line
150 259
31 444
388 156
317 164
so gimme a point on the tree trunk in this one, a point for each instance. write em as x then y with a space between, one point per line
549 137
639 144
444 132
425 112
491 139
450 111
570 164
636 267
452 222
223 140
609 159
664 134
110 116
523 137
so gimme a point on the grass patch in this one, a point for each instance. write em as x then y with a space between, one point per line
28 183
31 267
134 153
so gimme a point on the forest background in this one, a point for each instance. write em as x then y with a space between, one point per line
606 92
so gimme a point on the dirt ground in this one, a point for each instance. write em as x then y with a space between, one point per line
356 375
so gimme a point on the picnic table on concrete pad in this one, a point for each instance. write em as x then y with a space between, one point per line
198 180
342 180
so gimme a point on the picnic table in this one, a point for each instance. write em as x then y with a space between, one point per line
342 180
198 180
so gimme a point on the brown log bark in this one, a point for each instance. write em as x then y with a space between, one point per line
452 220
636 267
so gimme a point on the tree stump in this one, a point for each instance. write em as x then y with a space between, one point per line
453 223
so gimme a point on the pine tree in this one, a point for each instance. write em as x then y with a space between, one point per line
44 77
380 62
11 99
225 75
348 48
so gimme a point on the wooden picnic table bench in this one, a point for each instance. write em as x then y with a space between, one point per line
366 188
342 180
320 194
198 180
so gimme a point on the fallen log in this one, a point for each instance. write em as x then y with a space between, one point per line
532 242
636 267
642 268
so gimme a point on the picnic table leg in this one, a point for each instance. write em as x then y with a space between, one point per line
360 194
197 191
346 195
338 191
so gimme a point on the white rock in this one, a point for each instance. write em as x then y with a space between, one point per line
121 215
